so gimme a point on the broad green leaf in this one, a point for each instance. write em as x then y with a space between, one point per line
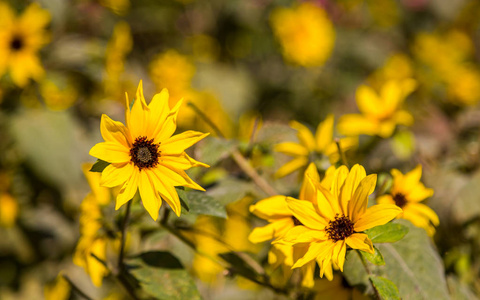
412 264
376 258
213 150
99 166
388 233
200 203
161 275
239 265
385 288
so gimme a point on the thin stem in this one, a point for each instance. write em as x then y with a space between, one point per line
166 213
342 154
367 269
123 237
76 288
241 161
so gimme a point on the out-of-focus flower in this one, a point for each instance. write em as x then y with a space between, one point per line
118 48
335 218
20 39
281 219
451 66
8 210
311 148
215 236
407 192
144 155
58 97
397 67
380 113
305 33
59 289
120 7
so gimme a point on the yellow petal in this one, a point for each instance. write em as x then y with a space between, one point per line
358 204
355 124
292 149
308 271
385 199
150 199
376 215
128 190
419 193
368 101
169 126
175 177
114 132
308 190
138 122
159 111
34 19
355 176
386 128
291 166
178 143
324 134
313 252
182 161
170 195
403 117
392 96
111 152
274 207
304 135
116 174
302 234
360 241
276 229
341 250
306 213
423 210
338 181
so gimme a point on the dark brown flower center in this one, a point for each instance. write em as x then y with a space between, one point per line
400 200
340 228
296 222
16 44
144 153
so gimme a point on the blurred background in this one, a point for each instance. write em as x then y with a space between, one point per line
64 63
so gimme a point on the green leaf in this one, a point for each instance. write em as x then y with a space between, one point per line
99 166
412 264
388 233
376 258
161 275
386 289
239 265
214 149
197 202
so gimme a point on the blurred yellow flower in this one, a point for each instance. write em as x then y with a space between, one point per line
311 148
8 210
380 113
336 218
59 289
281 219
452 65
407 192
305 33
58 93
144 155
120 7
397 67
20 39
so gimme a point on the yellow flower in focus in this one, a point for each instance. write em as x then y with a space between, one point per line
305 33
310 146
59 289
380 113
144 155
407 192
20 39
281 219
336 219
8 210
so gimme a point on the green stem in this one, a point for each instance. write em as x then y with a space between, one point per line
367 269
123 237
342 154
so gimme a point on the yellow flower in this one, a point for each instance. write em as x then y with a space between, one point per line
59 289
144 155
8 210
407 192
380 113
309 146
281 219
336 218
58 93
305 33
20 39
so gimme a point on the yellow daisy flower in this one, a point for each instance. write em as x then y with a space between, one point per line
281 219
407 192
380 113
336 219
144 155
20 39
310 147
305 33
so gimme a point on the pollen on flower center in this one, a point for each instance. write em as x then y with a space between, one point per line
400 200
340 228
144 153
16 43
